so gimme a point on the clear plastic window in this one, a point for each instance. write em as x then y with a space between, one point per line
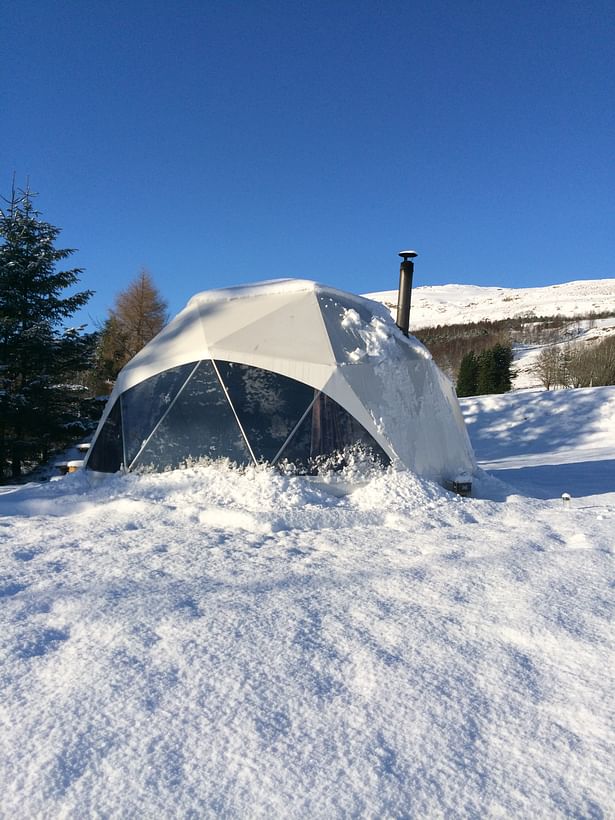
200 424
144 405
174 418
106 455
269 406
329 438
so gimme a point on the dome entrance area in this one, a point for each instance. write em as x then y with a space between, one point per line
224 410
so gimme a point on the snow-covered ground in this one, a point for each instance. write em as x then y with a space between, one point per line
209 643
545 443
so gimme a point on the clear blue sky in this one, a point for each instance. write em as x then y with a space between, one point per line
223 142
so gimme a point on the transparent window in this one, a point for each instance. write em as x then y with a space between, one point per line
145 404
200 424
175 417
328 437
269 406
106 455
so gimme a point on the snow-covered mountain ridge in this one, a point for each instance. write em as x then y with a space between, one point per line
460 304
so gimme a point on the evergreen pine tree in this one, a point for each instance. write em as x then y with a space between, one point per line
39 400
486 373
502 366
495 370
467 379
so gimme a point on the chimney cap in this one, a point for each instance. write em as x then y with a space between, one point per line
407 254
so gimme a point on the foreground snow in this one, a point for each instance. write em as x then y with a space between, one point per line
205 643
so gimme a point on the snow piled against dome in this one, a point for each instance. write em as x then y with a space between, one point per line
412 403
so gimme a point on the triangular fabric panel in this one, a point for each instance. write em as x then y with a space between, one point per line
181 341
272 333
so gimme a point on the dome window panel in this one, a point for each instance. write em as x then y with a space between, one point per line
268 406
329 438
199 425
106 454
144 405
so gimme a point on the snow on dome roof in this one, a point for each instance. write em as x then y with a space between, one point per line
275 287
266 287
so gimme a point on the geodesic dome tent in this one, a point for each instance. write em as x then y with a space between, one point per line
285 372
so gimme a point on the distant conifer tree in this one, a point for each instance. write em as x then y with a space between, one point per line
467 380
495 370
39 392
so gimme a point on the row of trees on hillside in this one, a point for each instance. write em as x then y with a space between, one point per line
577 365
448 344
50 373
487 372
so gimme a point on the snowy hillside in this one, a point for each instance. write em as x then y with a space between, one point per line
581 332
546 442
460 304
206 643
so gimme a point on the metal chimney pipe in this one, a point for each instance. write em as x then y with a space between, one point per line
406 270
